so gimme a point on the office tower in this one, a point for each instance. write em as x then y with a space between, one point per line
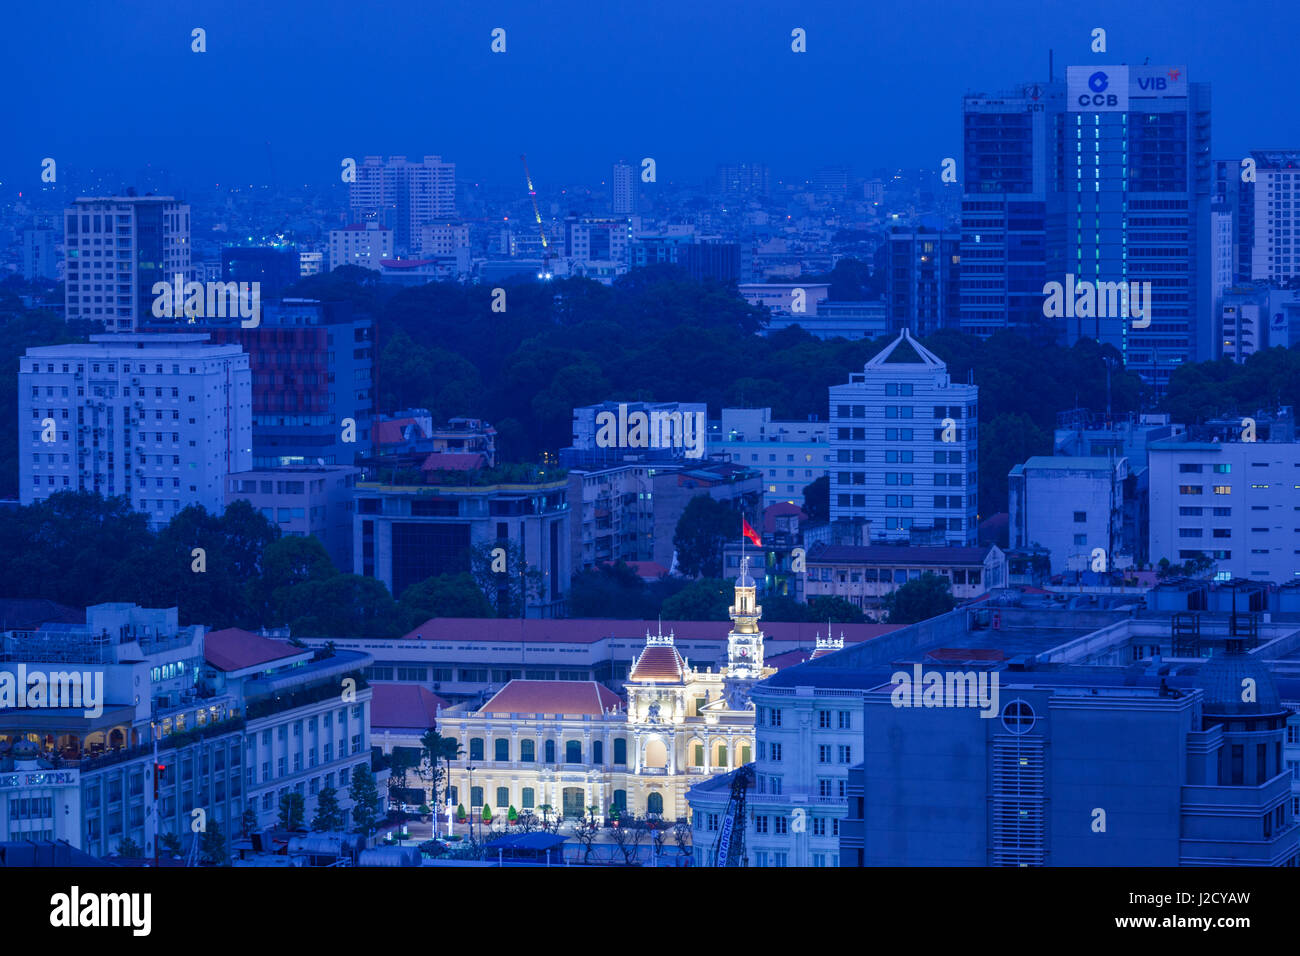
749 180
312 372
404 195
116 249
274 268
923 282
623 189
365 245
39 260
1274 200
904 439
1136 172
1012 240
1232 219
598 247
160 418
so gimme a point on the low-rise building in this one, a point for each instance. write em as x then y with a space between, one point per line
865 575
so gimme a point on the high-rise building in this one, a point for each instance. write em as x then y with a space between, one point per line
1136 174
404 195
923 282
1012 217
39 261
366 245
160 418
751 180
117 248
623 189
904 439
312 374
1274 199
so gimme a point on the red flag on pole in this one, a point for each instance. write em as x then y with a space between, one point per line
749 532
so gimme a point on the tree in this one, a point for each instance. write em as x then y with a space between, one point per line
682 837
247 821
445 595
548 824
437 752
704 600
293 811
585 831
170 844
212 845
919 599
365 800
287 563
507 590
129 849
345 605
610 591
329 815
817 499
628 833
527 822
702 530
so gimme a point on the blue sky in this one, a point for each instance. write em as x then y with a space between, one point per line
584 83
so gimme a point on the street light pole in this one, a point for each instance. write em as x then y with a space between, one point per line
470 768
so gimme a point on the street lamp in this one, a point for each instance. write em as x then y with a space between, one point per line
471 770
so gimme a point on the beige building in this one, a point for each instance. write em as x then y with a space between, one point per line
573 745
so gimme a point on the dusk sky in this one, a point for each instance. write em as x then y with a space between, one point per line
583 84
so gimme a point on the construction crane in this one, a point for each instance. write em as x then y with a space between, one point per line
729 847
537 214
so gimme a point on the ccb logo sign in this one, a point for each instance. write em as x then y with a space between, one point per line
1098 83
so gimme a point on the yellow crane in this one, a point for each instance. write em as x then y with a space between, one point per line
537 214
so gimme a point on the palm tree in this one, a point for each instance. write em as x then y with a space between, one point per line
437 748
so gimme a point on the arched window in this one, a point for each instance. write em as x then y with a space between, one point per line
573 751
745 754
528 751
697 755
550 751
620 751
502 749
654 803
619 802
598 752
719 754
476 748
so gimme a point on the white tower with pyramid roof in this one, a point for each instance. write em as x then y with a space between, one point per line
904 440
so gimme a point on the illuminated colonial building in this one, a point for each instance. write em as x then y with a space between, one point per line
572 745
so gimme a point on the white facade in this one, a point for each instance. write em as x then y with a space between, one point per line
807 738
362 245
791 455
443 238
1236 502
904 437
404 195
1071 507
1276 253
115 249
161 418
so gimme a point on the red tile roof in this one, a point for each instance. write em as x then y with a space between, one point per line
553 697
780 510
392 432
233 649
658 662
403 707
592 630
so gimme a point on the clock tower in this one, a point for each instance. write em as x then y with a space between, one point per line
745 641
